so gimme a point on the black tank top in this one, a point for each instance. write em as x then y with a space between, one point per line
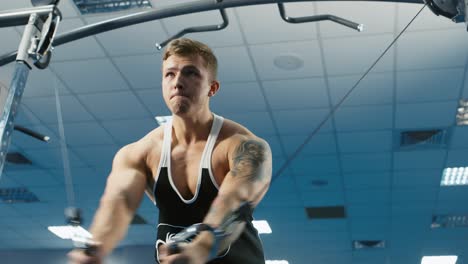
176 213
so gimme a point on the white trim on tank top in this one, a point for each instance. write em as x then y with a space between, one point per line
205 162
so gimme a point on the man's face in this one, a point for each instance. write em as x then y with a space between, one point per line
186 84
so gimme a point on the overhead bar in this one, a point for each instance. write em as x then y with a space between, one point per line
20 17
150 15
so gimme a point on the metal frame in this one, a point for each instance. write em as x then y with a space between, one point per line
146 16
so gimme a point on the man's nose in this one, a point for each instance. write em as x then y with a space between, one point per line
178 81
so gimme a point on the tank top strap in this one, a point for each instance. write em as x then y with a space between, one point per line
166 147
210 143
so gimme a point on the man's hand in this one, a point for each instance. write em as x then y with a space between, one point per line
191 253
93 255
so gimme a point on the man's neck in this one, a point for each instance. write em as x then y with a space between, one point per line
189 129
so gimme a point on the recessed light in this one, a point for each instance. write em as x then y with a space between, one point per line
454 176
70 232
288 62
162 119
439 260
276 262
262 226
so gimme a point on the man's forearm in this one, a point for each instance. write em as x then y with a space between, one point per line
110 223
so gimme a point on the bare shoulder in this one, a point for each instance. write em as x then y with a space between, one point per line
138 153
234 134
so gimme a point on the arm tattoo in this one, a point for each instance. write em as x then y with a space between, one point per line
248 159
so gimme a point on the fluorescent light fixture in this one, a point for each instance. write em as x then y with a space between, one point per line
462 113
162 119
262 226
454 176
70 232
439 260
276 262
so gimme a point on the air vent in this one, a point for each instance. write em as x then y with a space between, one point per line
449 221
17 195
17 158
138 220
368 244
107 6
325 212
423 139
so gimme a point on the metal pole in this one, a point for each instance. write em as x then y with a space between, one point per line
19 17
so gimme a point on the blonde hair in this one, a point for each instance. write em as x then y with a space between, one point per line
185 47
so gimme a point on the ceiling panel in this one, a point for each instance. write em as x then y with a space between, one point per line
412 56
301 122
296 93
428 159
367 180
77 50
360 54
417 178
429 85
307 54
368 196
116 42
100 75
459 137
259 123
271 28
363 210
95 155
457 158
319 144
371 141
128 131
43 83
415 194
35 178
315 165
230 95
364 118
323 198
84 134
366 162
374 89
45 109
425 115
234 65
108 106
51 158
226 37
152 100
10 40
142 71
318 182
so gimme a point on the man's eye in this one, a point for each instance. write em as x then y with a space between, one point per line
169 74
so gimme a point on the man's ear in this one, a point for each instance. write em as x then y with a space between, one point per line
214 87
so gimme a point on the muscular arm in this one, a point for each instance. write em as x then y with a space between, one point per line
247 180
124 190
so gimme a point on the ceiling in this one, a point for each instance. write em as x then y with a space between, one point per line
110 92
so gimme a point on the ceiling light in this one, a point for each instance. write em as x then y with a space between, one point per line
262 226
454 176
106 6
276 262
288 62
462 113
70 232
449 221
439 260
162 119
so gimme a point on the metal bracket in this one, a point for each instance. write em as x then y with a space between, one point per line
339 20
218 27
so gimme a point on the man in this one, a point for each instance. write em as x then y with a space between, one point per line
197 168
